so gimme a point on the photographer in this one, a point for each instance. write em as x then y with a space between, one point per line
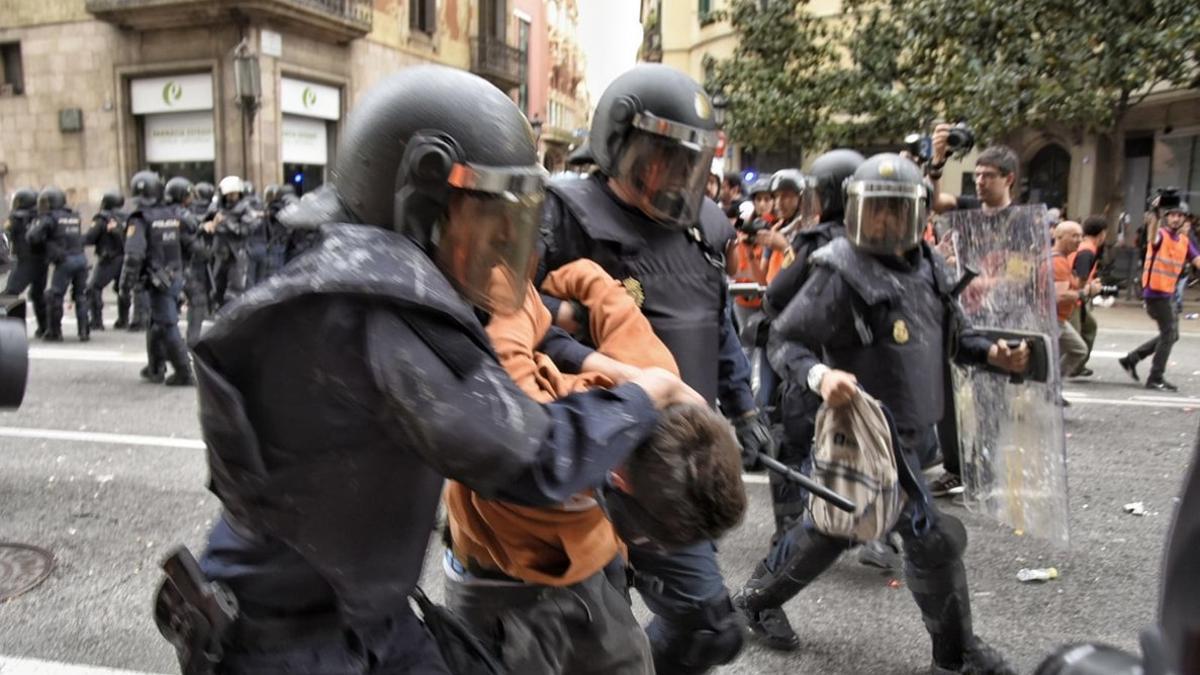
995 172
1165 258
744 261
1085 263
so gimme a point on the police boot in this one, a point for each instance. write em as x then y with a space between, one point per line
156 370
761 600
82 320
55 315
177 353
122 312
936 577
39 312
95 310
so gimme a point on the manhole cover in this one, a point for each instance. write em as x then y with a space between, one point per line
22 568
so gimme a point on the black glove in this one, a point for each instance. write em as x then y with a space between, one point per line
754 435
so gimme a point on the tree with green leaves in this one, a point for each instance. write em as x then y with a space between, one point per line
885 67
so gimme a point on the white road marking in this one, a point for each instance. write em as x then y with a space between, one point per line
83 354
101 437
1135 402
10 665
755 478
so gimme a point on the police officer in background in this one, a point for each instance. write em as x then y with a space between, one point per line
107 237
60 230
877 312
275 198
31 270
257 238
643 217
202 199
327 515
154 254
230 221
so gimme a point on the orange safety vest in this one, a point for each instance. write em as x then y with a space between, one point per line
1063 272
1087 245
744 253
1165 264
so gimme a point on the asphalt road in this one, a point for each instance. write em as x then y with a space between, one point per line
107 473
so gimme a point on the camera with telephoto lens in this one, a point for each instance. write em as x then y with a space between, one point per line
14 352
1165 198
752 227
1109 290
960 141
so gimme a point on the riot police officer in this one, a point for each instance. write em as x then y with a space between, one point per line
32 269
645 220
258 238
229 221
154 254
276 198
59 229
107 237
327 513
202 199
796 405
877 307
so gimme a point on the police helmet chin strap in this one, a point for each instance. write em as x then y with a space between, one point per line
422 188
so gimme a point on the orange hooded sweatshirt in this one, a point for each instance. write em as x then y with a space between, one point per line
563 545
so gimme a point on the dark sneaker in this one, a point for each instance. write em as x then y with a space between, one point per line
96 326
39 333
1129 366
121 323
136 326
84 337
771 626
153 376
883 553
178 379
1083 372
947 485
979 659
1161 385
52 337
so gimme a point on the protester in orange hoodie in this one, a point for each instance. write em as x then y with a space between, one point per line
548 585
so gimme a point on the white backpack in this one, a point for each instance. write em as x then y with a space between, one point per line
853 455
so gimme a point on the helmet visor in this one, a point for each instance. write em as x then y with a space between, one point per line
885 217
486 246
666 165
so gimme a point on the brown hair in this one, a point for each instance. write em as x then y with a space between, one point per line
689 476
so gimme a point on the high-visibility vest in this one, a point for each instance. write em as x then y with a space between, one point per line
744 253
1063 272
1165 263
1087 245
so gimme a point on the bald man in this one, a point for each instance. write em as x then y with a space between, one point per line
1068 290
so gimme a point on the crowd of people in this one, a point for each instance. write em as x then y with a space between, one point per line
176 245
561 366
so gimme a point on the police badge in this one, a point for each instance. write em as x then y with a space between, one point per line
900 331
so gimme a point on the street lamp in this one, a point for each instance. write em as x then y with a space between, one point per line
720 104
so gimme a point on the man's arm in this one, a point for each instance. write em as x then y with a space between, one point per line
471 423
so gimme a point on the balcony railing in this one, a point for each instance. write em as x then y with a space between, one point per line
340 20
496 61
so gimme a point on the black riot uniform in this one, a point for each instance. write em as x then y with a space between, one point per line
60 230
197 284
258 235
665 250
276 198
230 263
327 514
155 245
32 269
878 304
107 237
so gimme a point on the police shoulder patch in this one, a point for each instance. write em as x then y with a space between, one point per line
634 288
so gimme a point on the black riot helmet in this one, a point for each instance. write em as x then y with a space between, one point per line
247 188
24 198
654 133
830 171
448 159
271 193
50 199
113 199
204 191
886 205
178 190
146 187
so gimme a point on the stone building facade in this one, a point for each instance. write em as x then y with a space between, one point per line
95 90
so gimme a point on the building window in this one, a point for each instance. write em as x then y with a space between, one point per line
14 75
704 10
422 16
493 15
523 45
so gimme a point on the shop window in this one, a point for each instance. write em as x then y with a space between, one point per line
422 16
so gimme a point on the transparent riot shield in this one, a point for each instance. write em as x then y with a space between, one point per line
1010 432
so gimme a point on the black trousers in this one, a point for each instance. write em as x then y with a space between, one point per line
1162 310
32 272
107 271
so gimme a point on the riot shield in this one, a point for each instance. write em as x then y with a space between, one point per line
1010 430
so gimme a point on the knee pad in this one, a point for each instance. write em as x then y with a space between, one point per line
711 635
943 543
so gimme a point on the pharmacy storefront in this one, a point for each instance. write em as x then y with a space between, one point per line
175 121
308 127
